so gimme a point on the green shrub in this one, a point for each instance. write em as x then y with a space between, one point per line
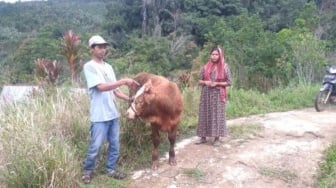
243 102
328 169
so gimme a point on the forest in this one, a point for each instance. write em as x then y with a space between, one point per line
267 43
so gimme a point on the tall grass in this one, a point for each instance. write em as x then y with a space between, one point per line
40 141
43 141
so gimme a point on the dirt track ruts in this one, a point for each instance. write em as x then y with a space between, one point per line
286 153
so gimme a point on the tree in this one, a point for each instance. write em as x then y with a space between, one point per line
276 14
303 53
160 17
149 54
199 16
250 50
123 18
308 56
45 45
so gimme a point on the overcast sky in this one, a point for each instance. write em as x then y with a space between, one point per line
13 1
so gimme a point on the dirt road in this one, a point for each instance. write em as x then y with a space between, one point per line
285 153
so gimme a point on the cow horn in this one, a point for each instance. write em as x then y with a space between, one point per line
136 83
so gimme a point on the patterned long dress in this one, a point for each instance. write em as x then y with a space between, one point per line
211 117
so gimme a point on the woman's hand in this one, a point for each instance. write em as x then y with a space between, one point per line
213 84
210 83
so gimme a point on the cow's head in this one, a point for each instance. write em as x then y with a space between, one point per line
141 101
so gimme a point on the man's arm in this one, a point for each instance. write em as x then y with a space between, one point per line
121 95
113 85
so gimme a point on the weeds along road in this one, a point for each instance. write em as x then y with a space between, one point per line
285 152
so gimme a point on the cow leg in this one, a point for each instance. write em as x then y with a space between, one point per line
172 139
156 143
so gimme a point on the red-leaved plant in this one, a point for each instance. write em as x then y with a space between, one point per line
46 71
71 50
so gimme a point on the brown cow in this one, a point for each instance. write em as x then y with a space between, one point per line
158 101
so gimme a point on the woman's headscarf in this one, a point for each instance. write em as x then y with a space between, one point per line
219 66
219 70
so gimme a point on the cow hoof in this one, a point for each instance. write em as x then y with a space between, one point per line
155 166
172 162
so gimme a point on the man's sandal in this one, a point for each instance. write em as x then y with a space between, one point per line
86 178
117 175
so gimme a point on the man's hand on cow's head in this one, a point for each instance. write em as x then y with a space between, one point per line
129 82
131 99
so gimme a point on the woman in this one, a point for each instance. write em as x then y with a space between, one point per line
214 78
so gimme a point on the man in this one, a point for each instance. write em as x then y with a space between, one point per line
104 115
